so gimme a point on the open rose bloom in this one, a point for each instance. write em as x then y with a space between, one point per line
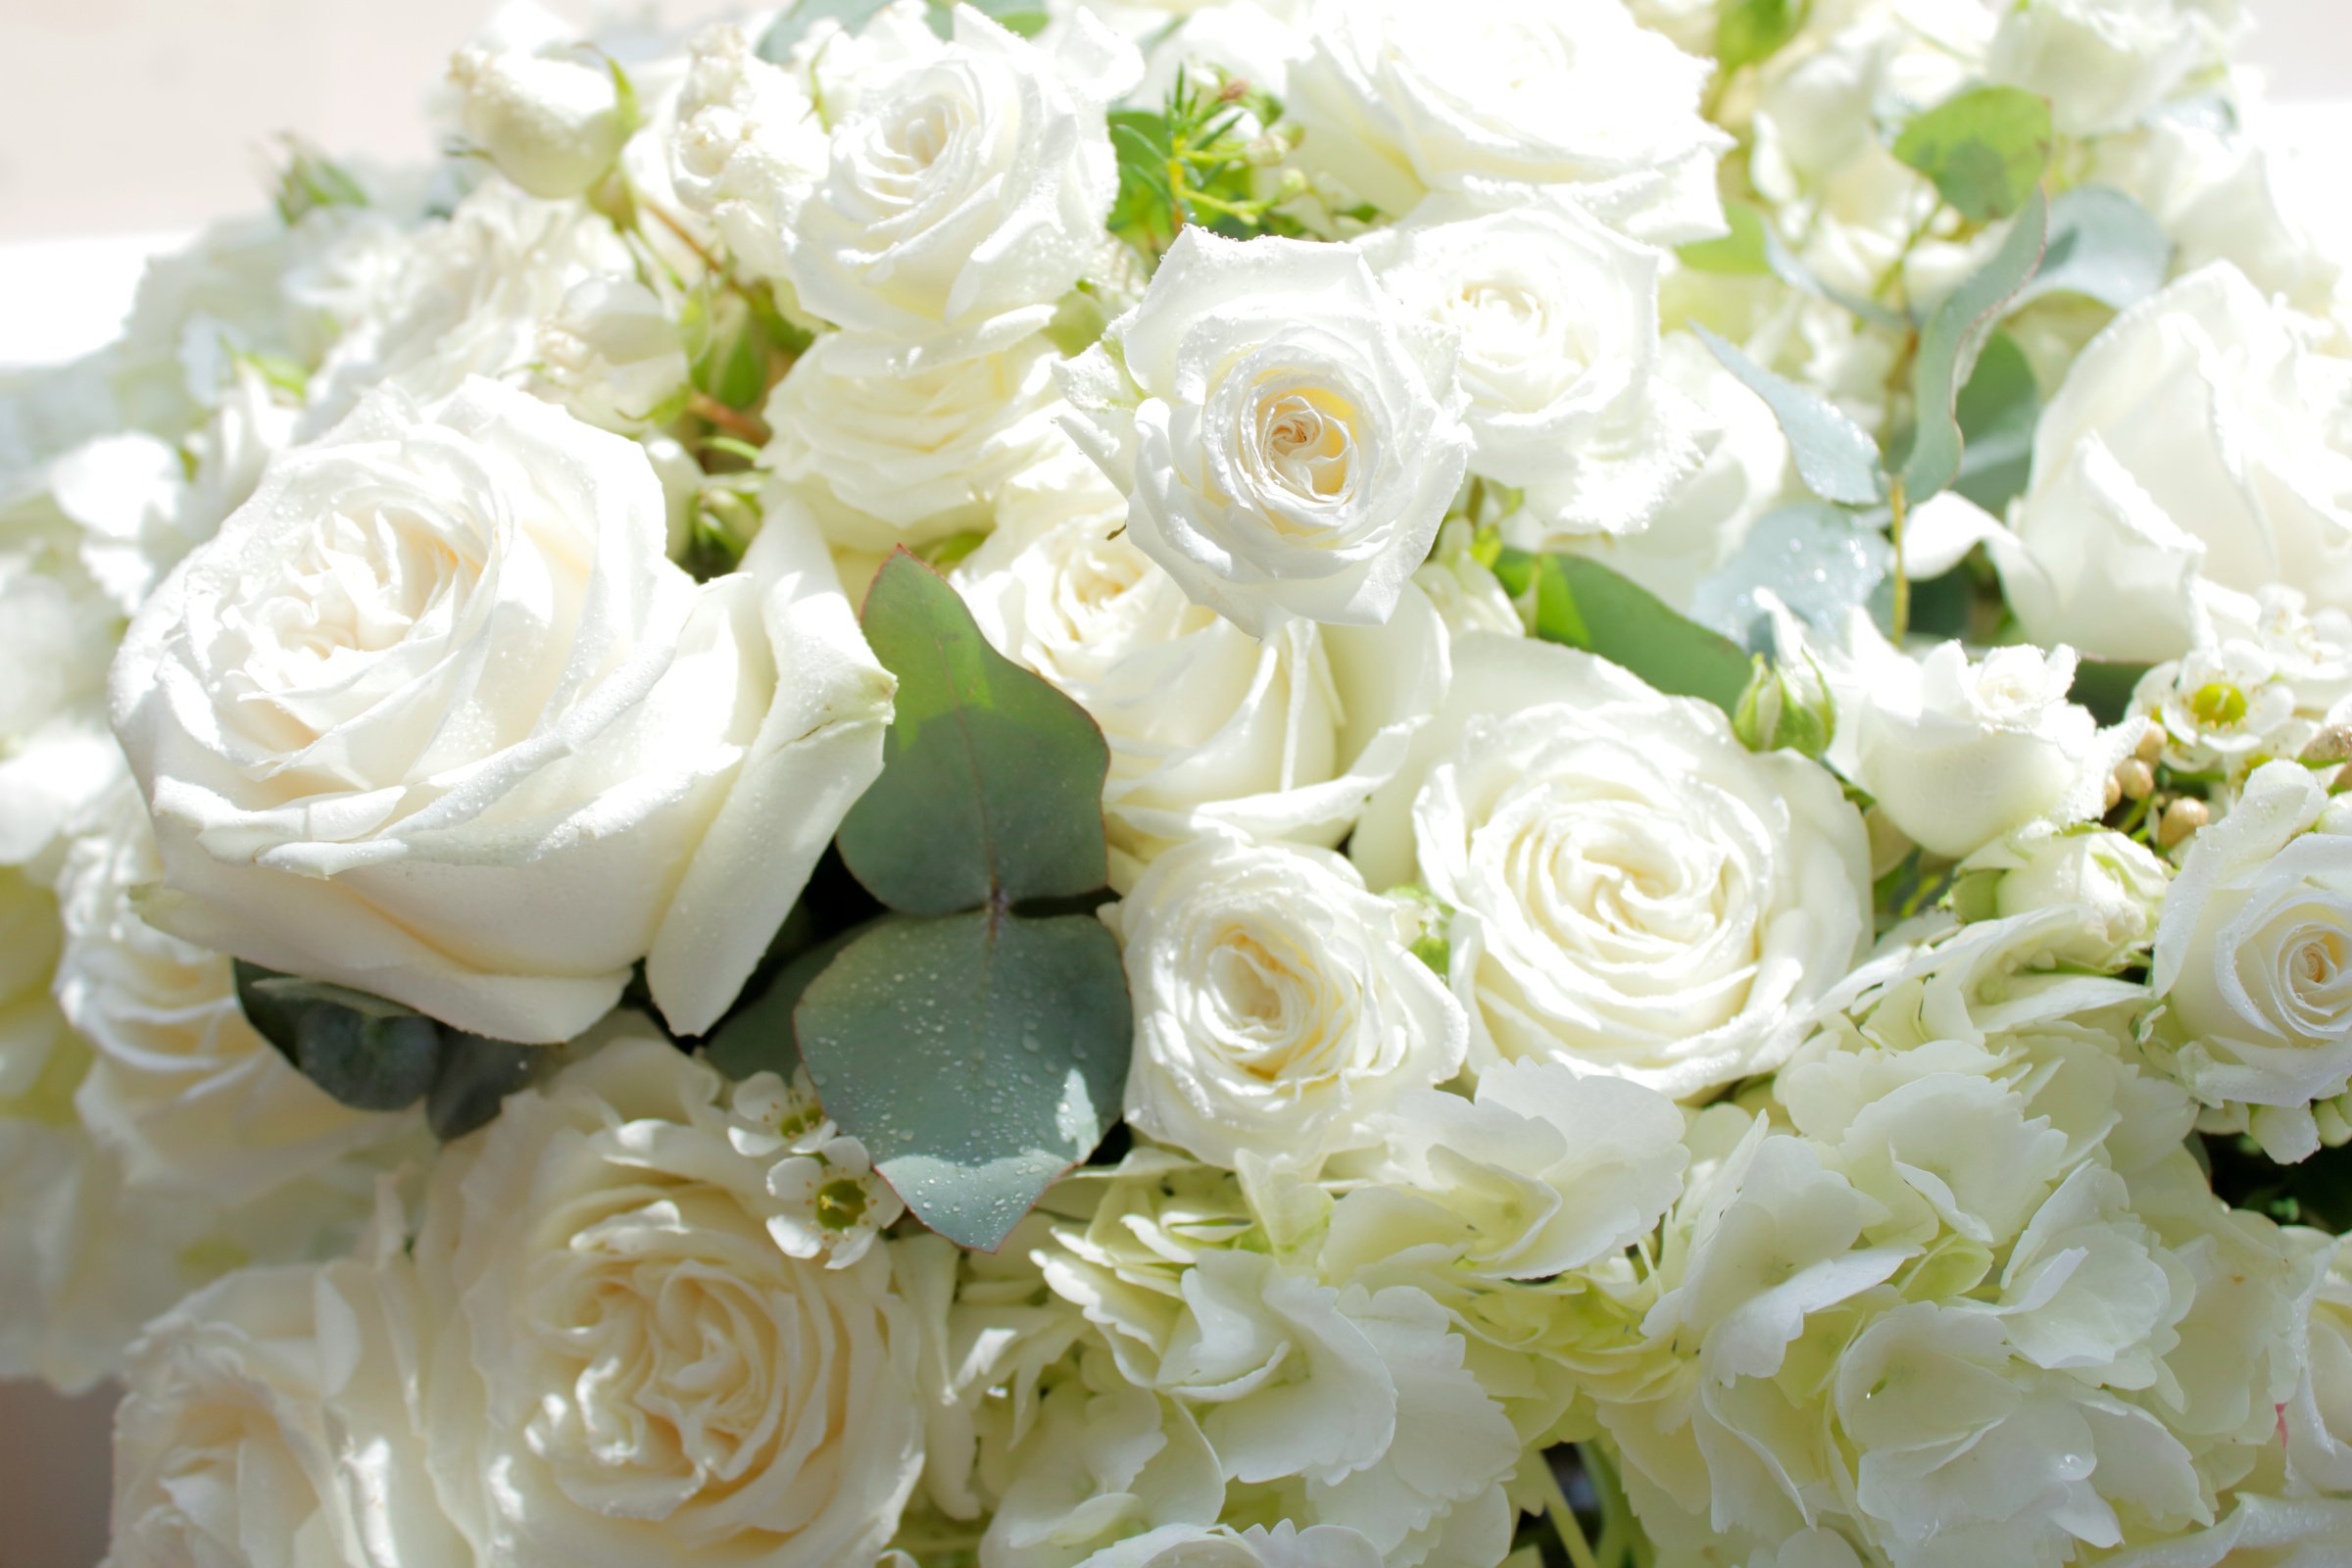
1230 784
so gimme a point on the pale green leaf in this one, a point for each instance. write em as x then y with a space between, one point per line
1834 457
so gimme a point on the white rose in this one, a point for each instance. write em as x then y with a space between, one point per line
1402 97
613 355
267 1423
1558 323
2254 958
552 122
2259 1532
181 1085
1284 1545
1278 1009
915 456
2105 64
1210 729
471 297
2114 882
965 184
434 717
2197 441
2318 1420
623 1366
1287 437
1958 751
1640 894
746 147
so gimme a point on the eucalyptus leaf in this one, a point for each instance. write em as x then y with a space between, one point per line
800 18
1998 409
757 1036
1751 30
1814 559
474 1078
1949 344
1791 269
1834 457
1582 603
976 1055
991 780
2104 246
1985 148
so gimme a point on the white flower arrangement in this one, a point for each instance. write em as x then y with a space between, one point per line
1244 784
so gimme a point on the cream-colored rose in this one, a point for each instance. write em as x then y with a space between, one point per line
624 1367
1278 1009
553 123
917 456
181 1086
435 717
748 146
1402 97
1638 893
270 1422
1210 729
964 184
1558 323
2254 958
2197 442
2318 1420
2105 64
1289 437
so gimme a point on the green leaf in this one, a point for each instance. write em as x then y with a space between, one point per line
1144 143
801 16
474 1078
2105 687
368 1054
1740 252
1582 603
2104 246
1985 148
991 780
757 1036
1025 18
1950 345
1834 457
728 351
1750 31
1815 559
1791 269
976 1055
1998 412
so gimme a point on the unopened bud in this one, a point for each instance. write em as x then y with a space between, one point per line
2115 792
552 123
2138 779
2151 745
2182 818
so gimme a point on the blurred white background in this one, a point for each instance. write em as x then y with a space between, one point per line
131 118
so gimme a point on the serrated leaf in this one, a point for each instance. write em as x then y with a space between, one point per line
1007 1041
1998 411
1750 31
1582 603
991 780
2104 246
1834 457
1985 148
1740 252
1949 344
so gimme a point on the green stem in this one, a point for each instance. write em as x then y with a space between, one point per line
1564 1521
1898 512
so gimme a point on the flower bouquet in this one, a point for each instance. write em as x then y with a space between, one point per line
1292 784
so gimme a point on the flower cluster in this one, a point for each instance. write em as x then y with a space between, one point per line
1230 784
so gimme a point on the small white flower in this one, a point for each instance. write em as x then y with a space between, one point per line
1289 441
2217 704
2105 64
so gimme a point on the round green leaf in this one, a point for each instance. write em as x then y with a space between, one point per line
991 780
976 1055
1986 149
